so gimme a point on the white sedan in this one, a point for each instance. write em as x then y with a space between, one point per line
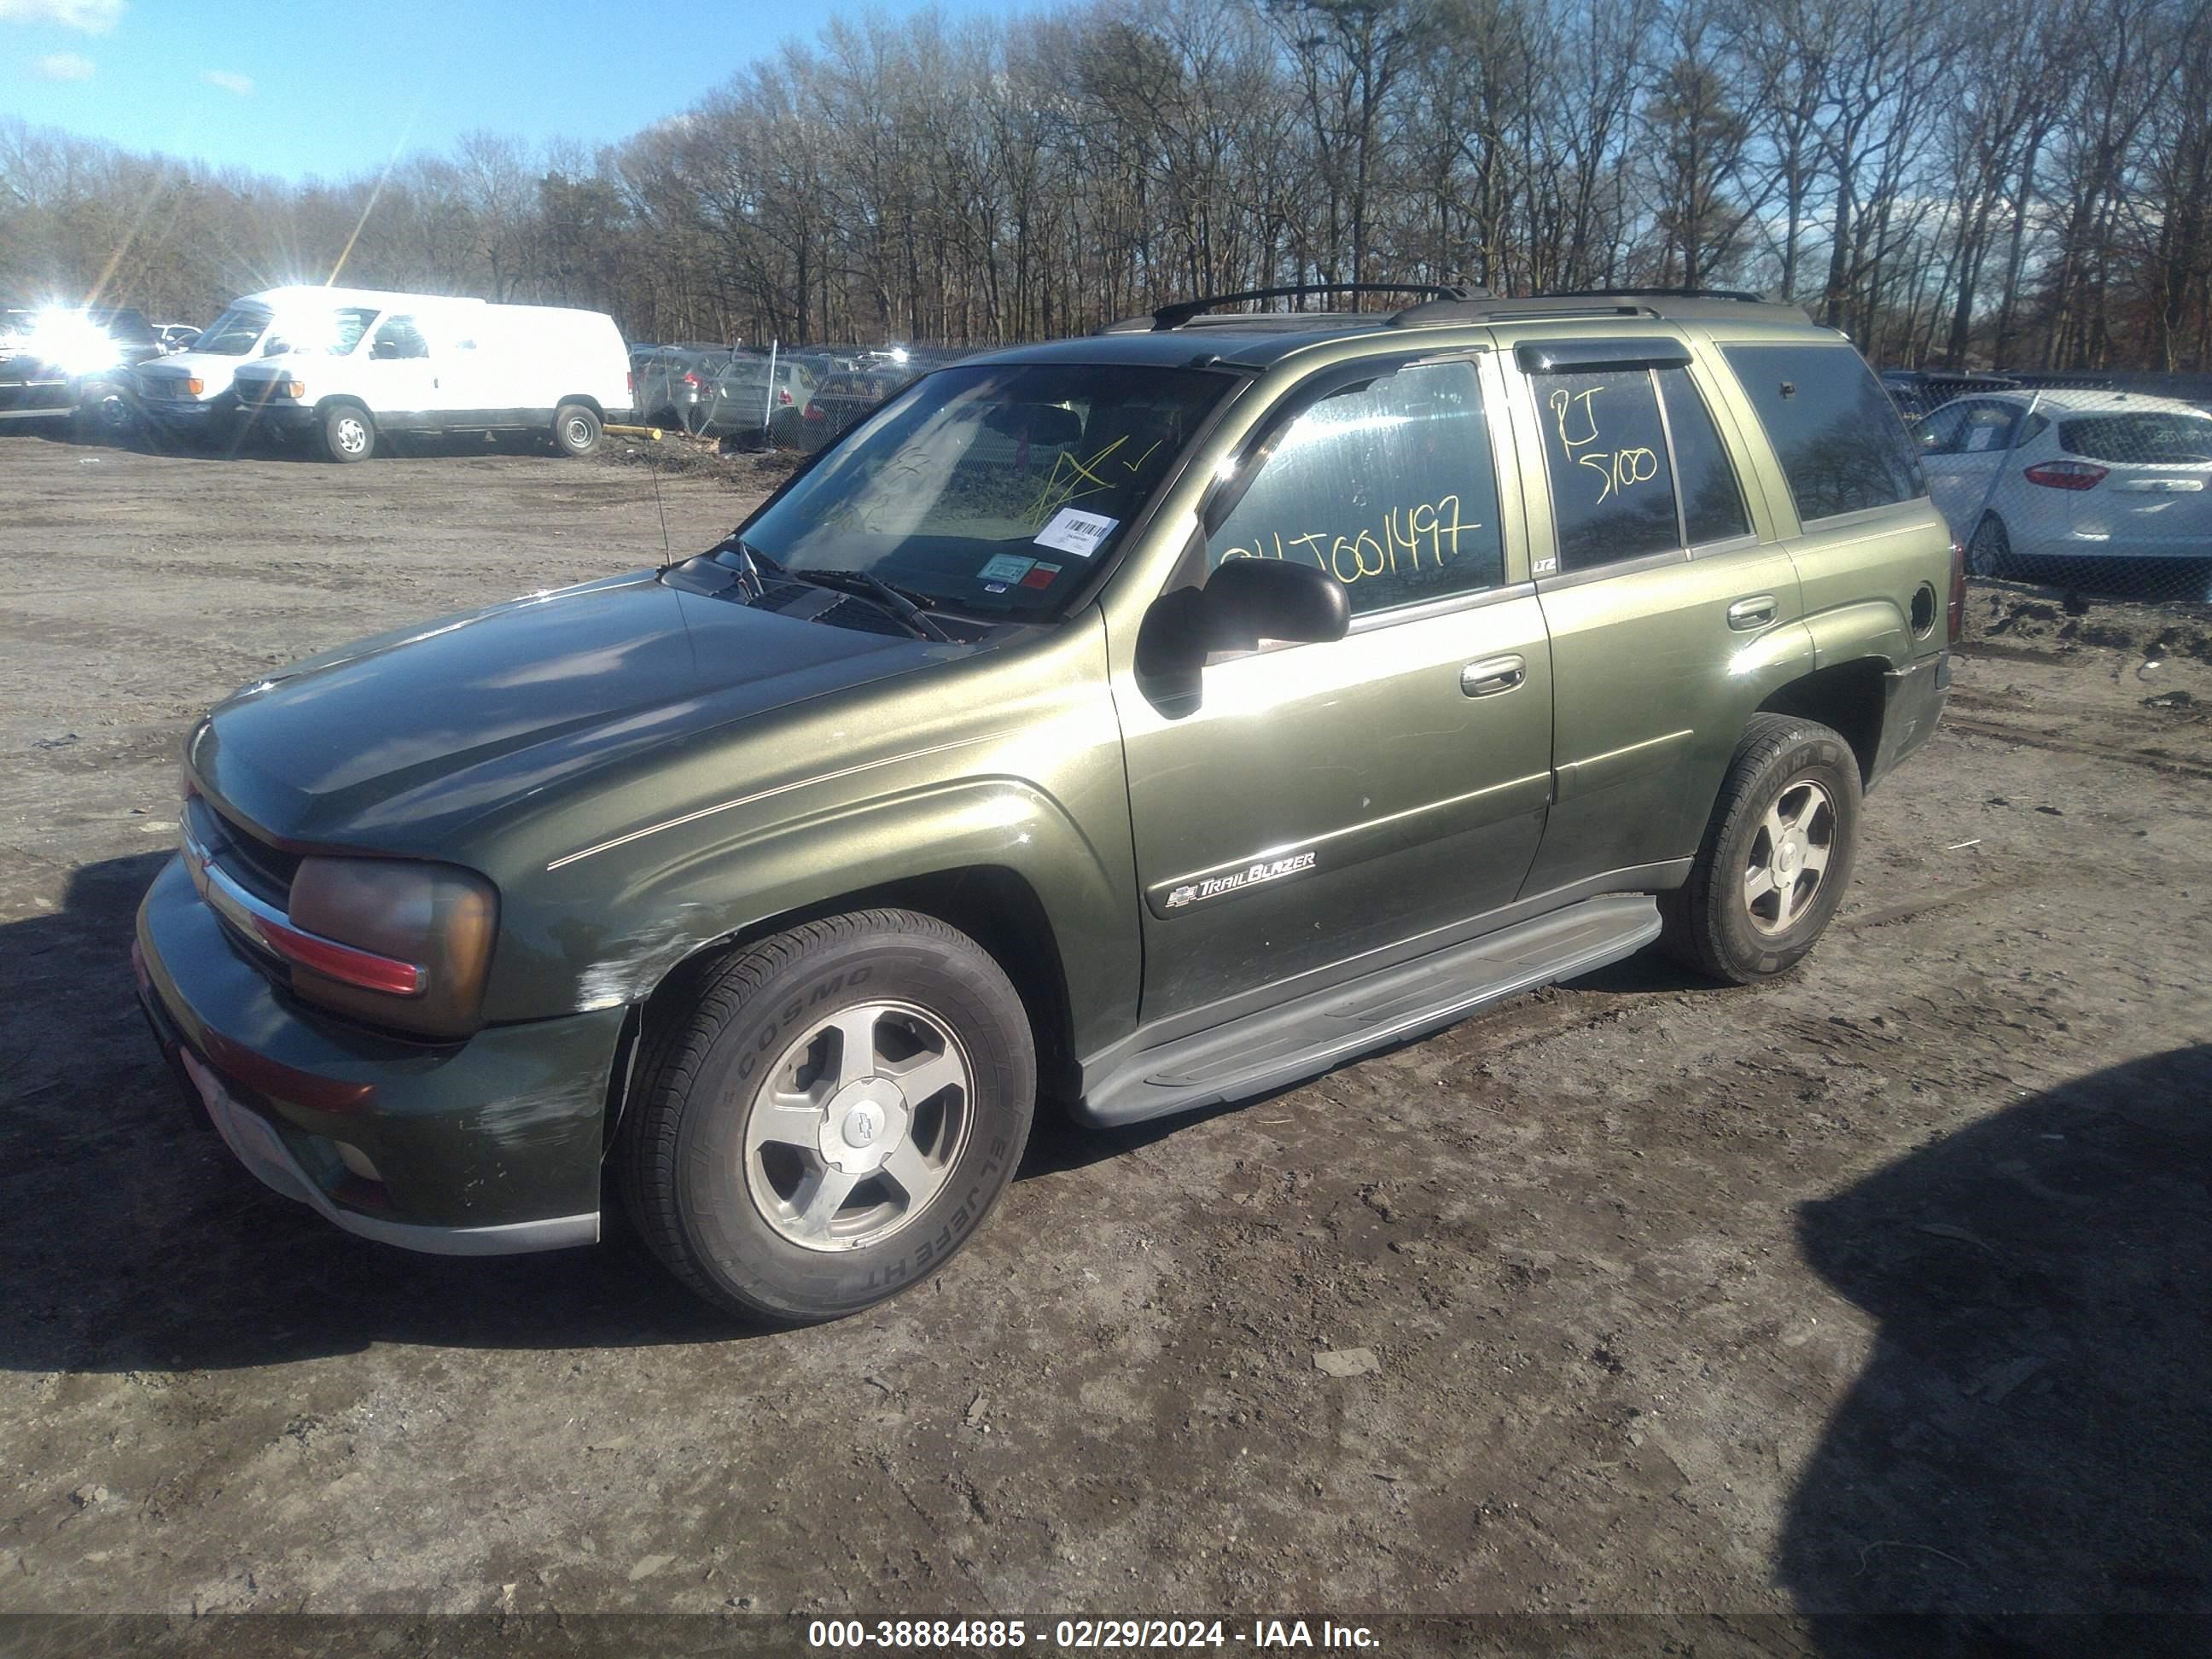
2029 476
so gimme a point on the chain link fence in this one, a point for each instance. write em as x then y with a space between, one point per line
769 398
2098 485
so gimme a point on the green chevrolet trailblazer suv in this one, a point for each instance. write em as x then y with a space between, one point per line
1130 723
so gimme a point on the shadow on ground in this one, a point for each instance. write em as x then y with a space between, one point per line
131 1240
135 1242
2031 1433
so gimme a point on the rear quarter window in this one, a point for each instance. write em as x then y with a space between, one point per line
1834 430
2150 438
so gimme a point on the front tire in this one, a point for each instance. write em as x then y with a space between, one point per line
348 433
1776 856
103 414
831 1117
576 430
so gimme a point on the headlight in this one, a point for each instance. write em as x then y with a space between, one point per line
391 941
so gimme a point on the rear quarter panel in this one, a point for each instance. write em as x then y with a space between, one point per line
1857 572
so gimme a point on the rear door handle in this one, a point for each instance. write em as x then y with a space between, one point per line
1754 612
1492 675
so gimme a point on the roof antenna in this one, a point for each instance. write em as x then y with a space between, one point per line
653 461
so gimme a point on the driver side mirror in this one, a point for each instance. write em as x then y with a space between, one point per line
384 348
1244 603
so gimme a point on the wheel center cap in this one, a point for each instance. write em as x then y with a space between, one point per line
1786 857
863 1125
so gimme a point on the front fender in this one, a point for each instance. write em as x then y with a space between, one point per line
1009 761
975 825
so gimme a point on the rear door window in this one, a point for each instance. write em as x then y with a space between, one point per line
1836 434
1613 490
1388 487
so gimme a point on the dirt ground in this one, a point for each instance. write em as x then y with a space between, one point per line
1884 1287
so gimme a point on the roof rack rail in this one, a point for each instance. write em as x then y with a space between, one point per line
1745 294
1185 311
1565 304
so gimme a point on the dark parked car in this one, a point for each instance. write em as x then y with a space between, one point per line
740 400
72 363
843 399
671 384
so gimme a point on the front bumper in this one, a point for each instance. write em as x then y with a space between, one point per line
190 414
1912 702
487 1147
286 419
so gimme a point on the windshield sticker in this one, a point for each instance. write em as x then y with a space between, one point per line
1042 576
1079 533
1005 568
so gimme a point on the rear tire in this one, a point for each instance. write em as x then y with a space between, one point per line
831 1117
348 433
1776 856
576 430
1989 553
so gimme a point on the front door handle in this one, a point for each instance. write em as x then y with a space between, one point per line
1754 612
1492 675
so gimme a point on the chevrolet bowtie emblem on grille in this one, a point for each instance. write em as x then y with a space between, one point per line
1237 880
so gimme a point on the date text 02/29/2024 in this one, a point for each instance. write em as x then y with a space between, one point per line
1105 1635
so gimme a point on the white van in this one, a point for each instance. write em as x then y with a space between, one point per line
188 392
338 366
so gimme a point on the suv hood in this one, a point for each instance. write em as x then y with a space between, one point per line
397 741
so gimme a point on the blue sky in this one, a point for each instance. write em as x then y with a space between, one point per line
294 87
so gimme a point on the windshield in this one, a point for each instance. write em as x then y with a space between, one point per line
332 333
995 489
235 333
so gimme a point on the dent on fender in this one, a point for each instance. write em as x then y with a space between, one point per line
628 972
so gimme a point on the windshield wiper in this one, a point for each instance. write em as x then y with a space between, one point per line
897 601
751 564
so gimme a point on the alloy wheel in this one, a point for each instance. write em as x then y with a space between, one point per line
857 1125
1789 857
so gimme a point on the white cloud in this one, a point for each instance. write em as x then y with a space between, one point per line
89 16
230 81
66 66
